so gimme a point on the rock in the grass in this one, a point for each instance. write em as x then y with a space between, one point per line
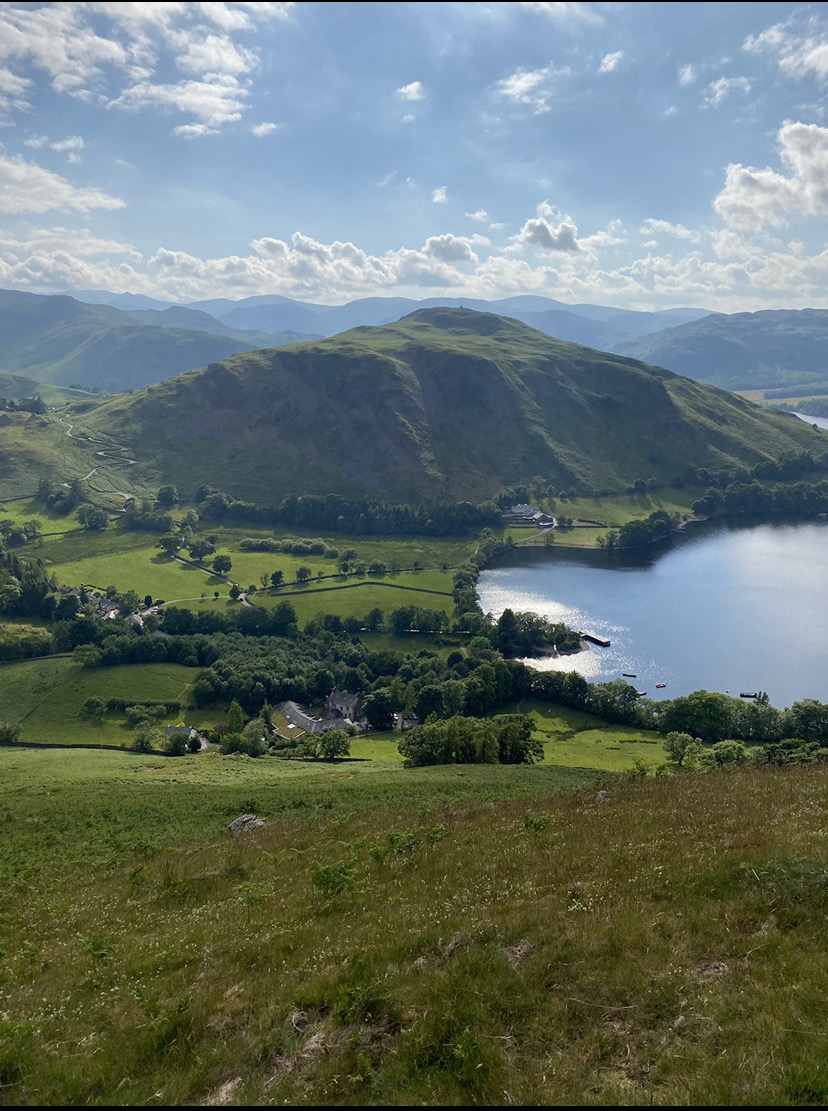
244 823
602 796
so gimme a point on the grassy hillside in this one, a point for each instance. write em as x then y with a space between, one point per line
58 340
397 937
743 351
446 404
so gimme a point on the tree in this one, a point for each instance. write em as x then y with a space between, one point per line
678 745
277 578
169 544
9 732
373 620
167 495
175 745
92 516
93 709
333 744
303 574
235 592
200 547
235 718
379 709
145 738
222 564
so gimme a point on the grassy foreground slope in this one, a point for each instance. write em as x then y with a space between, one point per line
447 404
469 939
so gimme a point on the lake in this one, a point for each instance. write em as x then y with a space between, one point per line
721 609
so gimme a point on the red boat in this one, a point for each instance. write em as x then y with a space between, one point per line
660 686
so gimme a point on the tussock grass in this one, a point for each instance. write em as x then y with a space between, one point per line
440 936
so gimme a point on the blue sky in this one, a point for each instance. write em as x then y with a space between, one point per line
639 155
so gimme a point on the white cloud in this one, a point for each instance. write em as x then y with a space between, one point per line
408 119
414 91
540 233
741 276
756 198
27 187
86 47
664 227
217 99
533 87
262 129
481 216
71 142
12 83
611 62
56 39
686 75
798 53
565 12
452 248
216 54
36 141
722 87
70 146
194 130
440 195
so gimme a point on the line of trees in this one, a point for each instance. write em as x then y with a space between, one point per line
334 513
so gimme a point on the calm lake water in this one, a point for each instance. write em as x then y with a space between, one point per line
721 609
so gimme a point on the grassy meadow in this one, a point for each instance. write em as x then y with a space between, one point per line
399 937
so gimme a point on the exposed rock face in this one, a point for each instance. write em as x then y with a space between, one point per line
244 823
602 796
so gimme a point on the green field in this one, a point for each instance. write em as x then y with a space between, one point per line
48 695
395 937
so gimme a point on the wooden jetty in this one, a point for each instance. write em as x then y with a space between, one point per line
602 642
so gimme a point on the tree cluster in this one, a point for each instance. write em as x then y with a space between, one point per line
503 739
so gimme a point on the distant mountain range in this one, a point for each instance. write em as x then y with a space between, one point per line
446 404
119 342
60 340
591 325
743 351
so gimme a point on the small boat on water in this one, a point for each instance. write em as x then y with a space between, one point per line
629 674
747 694
660 686
640 694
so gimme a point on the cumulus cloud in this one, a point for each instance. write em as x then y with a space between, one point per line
686 75
217 99
12 83
741 276
798 52
262 129
87 49
481 216
26 187
664 227
216 54
452 248
611 62
533 87
413 91
440 195
721 88
755 198
540 233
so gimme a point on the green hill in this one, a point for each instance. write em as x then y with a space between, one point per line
58 340
743 351
446 404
